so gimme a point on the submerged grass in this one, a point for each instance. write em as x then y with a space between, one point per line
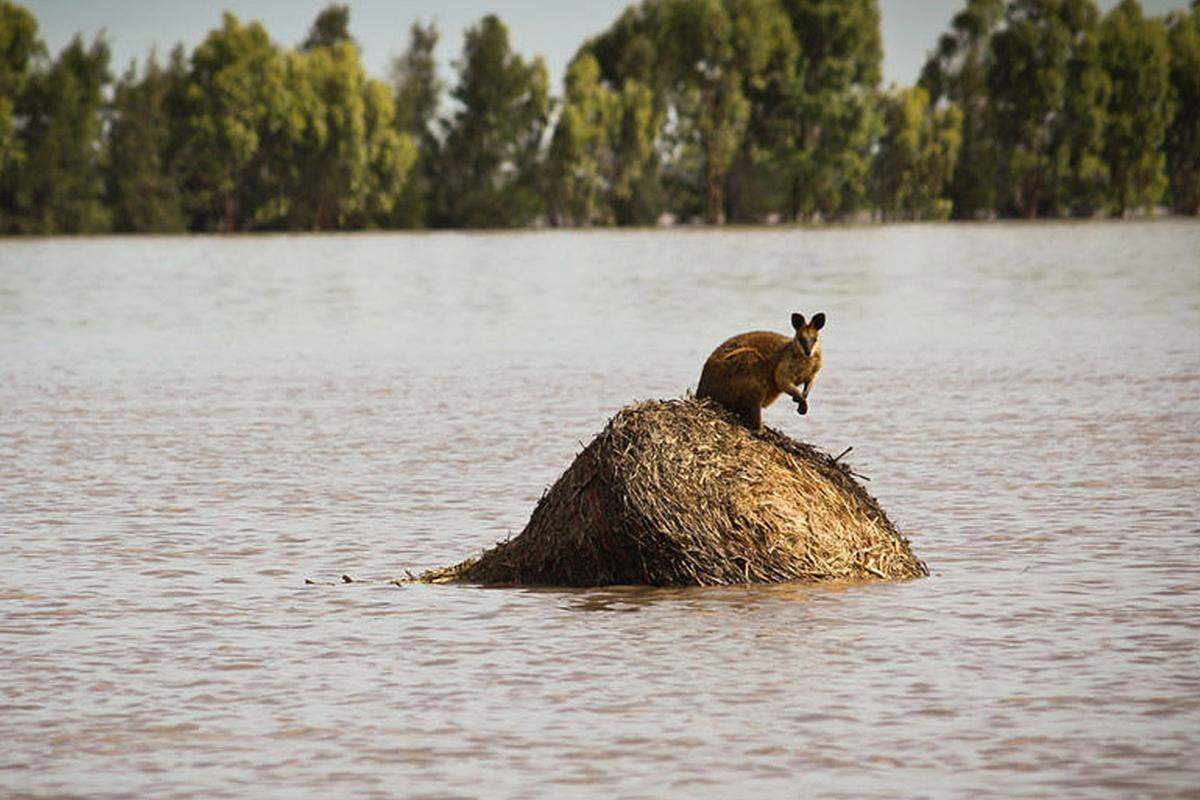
678 493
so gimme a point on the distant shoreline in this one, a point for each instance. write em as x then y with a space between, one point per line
782 227
679 110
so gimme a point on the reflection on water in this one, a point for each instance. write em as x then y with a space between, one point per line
191 427
701 600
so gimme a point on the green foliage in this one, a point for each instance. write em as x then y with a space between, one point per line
143 190
19 46
580 151
629 60
418 91
756 92
833 105
1045 91
704 85
417 85
339 160
767 52
1081 180
635 189
1183 135
235 100
302 140
489 166
713 110
957 72
601 163
917 156
59 185
331 27
391 156
1137 58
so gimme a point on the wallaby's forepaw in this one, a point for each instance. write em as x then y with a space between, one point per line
801 406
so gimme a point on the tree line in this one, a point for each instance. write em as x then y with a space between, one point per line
736 111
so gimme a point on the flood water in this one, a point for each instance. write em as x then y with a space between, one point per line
191 427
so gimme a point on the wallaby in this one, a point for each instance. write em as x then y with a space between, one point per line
746 373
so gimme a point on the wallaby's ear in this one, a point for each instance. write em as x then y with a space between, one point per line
797 321
818 321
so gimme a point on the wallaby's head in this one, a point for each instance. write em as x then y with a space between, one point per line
808 333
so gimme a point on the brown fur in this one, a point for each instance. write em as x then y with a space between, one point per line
747 373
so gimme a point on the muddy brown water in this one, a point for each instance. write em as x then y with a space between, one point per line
190 427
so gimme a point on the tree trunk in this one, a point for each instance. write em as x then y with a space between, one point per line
712 196
230 223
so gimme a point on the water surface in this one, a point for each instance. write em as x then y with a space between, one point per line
190 427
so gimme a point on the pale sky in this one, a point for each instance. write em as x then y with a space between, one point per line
553 29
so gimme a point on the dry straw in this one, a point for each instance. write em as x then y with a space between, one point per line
677 493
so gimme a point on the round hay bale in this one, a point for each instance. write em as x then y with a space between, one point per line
678 493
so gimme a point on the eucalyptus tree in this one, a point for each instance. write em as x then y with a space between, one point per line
1045 91
766 53
696 54
489 163
689 71
1183 135
59 183
331 27
600 168
956 72
635 192
1080 183
581 147
339 161
917 156
417 86
143 191
19 48
234 102
391 156
1137 58
832 105
630 64
627 57
417 95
